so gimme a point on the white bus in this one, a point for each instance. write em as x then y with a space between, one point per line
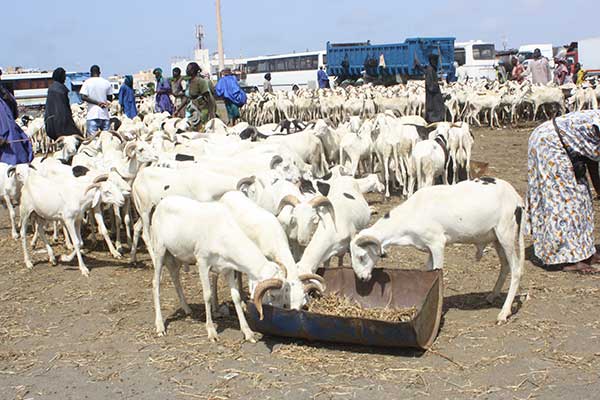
477 59
286 70
31 88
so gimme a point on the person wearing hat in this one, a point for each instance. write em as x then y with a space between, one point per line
163 90
15 145
201 105
434 101
539 69
267 86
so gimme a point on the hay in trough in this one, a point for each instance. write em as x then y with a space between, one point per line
341 306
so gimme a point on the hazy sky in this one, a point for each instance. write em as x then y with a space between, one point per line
129 35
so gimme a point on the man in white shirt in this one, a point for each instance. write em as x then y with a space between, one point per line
97 92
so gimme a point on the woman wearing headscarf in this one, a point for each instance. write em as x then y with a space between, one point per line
127 97
434 102
15 145
57 115
560 213
234 96
163 90
267 85
201 104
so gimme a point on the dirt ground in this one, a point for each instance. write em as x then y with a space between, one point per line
64 336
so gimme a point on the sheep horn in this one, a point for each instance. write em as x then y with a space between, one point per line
290 199
260 291
245 182
100 178
369 241
11 170
432 125
311 277
118 135
283 269
129 147
92 186
313 286
322 201
275 161
81 138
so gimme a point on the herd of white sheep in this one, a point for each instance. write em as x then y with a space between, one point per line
274 202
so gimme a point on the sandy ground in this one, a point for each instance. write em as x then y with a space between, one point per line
64 336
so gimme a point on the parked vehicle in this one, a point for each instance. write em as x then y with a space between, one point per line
392 63
477 58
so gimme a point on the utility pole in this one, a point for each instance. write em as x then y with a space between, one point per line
220 37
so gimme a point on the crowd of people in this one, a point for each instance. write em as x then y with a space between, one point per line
562 152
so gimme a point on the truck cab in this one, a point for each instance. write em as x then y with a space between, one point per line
477 58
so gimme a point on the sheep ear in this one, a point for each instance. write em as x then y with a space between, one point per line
96 200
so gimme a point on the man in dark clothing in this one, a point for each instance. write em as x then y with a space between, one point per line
58 116
434 102
9 99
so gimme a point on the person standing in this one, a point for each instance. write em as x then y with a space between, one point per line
267 86
561 72
579 75
517 70
178 92
201 104
97 92
127 97
560 213
434 102
57 115
163 90
539 69
323 78
229 89
15 145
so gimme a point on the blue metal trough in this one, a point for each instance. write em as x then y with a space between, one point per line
392 288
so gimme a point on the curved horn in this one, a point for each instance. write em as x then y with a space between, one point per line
117 135
260 291
275 161
92 186
322 201
129 147
311 277
313 286
59 139
369 240
290 199
432 125
100 178
245 181
81 138
283 269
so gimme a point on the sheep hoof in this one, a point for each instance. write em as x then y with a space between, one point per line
15 236
160 332
250 337
85 272
53 261
117 255
29 265
502 318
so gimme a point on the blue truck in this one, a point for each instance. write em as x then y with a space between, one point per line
389 63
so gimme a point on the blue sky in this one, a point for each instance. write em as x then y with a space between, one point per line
129 35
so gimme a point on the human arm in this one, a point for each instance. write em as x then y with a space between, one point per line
592 167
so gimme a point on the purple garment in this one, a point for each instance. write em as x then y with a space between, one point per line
163 101
19 151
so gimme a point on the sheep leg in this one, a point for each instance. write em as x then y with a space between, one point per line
516 271
51 258
158 264
127 221
11 214
203 271
436 256
504 269
104 233
34 239
137 230
174 271
55 234
117 221
214 299
74 230
237 301
24 221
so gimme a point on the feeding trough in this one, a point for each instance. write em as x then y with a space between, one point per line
388 288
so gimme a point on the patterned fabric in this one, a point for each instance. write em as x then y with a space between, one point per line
560 215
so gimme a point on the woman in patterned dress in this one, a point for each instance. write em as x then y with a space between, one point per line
559 201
